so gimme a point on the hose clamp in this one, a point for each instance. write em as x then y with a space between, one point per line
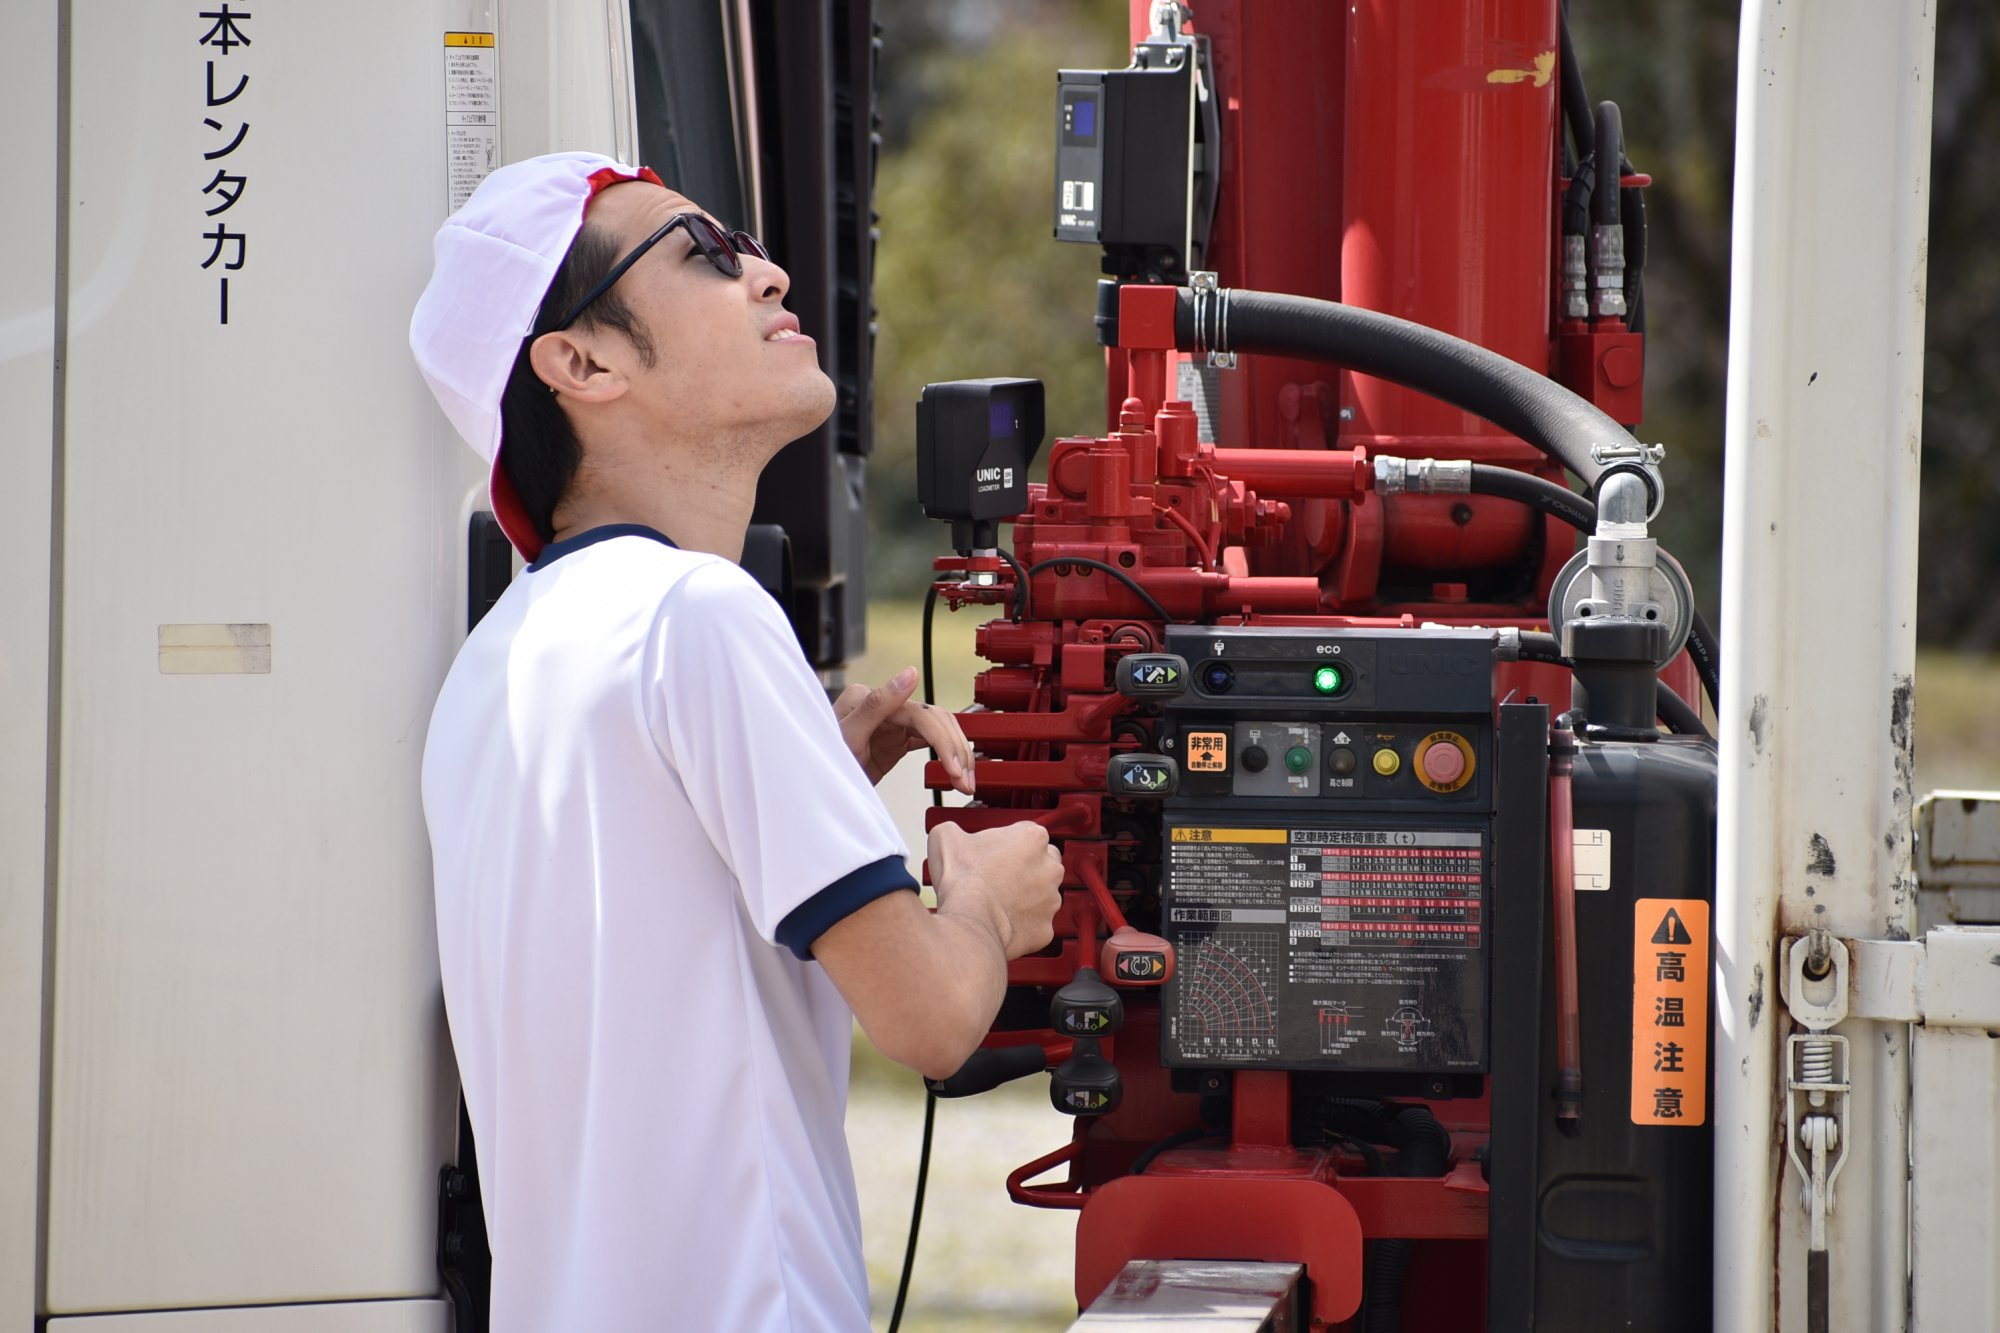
1211 320
1644 459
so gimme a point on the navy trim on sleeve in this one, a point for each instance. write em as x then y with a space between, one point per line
555 551
804 924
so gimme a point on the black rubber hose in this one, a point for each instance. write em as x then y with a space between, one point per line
1604 205
1539 647
1575 101
1632 208
1425 1150
1707 657
1538 492
1677 713
1452 370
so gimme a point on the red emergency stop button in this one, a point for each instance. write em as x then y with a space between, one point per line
1444 761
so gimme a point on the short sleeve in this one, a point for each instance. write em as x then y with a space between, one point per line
746 724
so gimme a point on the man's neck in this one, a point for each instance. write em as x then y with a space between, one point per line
700 507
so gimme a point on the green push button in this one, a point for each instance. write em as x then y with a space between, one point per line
1299 759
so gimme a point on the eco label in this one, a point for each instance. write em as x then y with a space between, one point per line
1208 752
1670 962
471 113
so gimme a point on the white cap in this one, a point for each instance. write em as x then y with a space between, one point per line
495 258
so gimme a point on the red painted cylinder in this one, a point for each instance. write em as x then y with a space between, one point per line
1450 155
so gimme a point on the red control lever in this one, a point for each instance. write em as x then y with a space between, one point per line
1133 958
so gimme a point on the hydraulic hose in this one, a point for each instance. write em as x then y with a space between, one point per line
1575 101
1536 492
1452 370
1424 1150
1604 204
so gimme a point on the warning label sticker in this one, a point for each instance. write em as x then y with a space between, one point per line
471 113
1208 752
1670 969
1327 948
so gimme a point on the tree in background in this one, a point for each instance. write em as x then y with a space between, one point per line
969 279
970 282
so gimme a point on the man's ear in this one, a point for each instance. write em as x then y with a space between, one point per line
569 366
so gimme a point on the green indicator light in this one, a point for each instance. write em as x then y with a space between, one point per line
1329 679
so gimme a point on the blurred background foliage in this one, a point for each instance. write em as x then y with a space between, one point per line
970 283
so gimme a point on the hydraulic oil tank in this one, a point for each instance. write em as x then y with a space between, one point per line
1621 1229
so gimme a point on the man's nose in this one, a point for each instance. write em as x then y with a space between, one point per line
770 281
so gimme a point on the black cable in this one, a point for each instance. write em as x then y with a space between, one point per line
1179 1138
1020 586
916 1212
930 678
930 1099
1113 571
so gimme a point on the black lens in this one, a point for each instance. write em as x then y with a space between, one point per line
1218 677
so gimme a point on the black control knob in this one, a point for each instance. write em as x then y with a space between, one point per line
1086 1083
1152 675
1086 1007
1340 762
1142 775
1253 758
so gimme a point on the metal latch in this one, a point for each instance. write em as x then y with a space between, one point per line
1816 1082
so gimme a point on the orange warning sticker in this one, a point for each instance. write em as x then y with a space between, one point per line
1670 947
1208 752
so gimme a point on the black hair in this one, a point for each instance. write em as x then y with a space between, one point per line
539 449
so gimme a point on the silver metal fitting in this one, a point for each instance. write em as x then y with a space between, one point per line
1607 258
1575 279
1507 644
1211 319
1422 476
1168 17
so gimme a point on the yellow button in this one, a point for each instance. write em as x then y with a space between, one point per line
1387 762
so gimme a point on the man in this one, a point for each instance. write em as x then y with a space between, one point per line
663 877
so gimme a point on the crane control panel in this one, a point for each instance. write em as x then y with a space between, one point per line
1328 853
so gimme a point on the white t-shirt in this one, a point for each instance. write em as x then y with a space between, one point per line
636 789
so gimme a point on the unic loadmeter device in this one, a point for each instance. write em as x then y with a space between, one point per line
1373 748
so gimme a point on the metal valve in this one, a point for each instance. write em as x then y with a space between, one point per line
1086 1083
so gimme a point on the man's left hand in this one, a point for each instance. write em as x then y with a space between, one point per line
883 724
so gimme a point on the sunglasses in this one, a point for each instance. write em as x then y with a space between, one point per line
724 249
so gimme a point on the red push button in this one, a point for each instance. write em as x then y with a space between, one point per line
1443 763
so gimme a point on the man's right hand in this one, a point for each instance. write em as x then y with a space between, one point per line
1009 876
